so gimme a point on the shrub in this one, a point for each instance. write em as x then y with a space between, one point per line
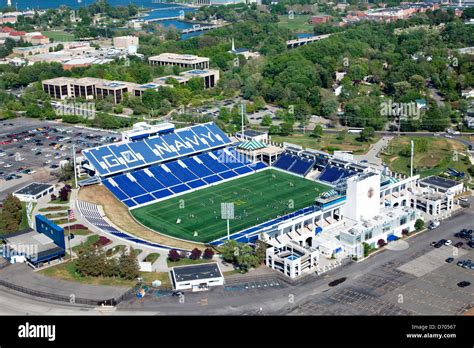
102 241
195 254
381 243
208 254
174 255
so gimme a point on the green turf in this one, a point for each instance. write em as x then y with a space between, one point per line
257 198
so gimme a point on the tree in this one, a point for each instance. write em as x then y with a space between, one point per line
366 249
11 214
317 132
366 134
261 250
230 250
286 129
128 264
380 243
266 121
419 224
174 255
91 261
208 254
195 254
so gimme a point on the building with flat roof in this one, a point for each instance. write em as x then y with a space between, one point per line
128 43
35 247
181 60
116 89
209 76
33 191
196 277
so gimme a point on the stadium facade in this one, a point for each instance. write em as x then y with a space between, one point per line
359 207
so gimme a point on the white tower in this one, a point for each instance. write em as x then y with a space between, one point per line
9 3
233 45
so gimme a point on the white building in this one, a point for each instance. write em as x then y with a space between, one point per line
33 192
196 277
128 43
181 60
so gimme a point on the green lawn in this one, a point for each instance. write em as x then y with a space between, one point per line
328 142
257 198
438 155
152 257
299 23
185 262
59 35
89 241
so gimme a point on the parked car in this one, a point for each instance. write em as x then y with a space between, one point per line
459 244
448 242
434 224
464 284
449 259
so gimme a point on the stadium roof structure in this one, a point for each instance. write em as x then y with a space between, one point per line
252 145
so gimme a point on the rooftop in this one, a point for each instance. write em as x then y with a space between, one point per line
439 182
33 189
194 272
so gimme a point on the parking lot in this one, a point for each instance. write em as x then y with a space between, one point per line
423 283
29 146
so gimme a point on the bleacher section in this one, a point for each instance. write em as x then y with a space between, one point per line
92 214
333 175
295 164
116 158
163 181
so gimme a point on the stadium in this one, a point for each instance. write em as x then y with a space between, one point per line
312 209
174 181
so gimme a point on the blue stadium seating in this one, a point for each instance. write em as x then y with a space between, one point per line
301 166
285 161
332 174
181 173
164 177
212 164
148 183
197 168
294 164
117 158
178 175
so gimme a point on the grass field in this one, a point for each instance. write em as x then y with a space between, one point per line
257 198
328 142
432 157
299 23
59 35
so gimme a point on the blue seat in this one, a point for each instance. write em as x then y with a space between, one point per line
243 170
162 193
148 183
212 179
115 190
212 164
196 183
141 147
228 174
198 169
301 166
144 199
131 188
285 161
179 188
181 173
129 203
165 178
258 166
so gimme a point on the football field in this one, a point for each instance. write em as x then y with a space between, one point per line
257 198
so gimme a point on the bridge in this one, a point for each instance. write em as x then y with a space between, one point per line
198 27
162 19
306 40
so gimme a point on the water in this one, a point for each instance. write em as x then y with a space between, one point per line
45 4
159 10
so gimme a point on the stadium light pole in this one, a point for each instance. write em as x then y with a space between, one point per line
74 164
242 115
